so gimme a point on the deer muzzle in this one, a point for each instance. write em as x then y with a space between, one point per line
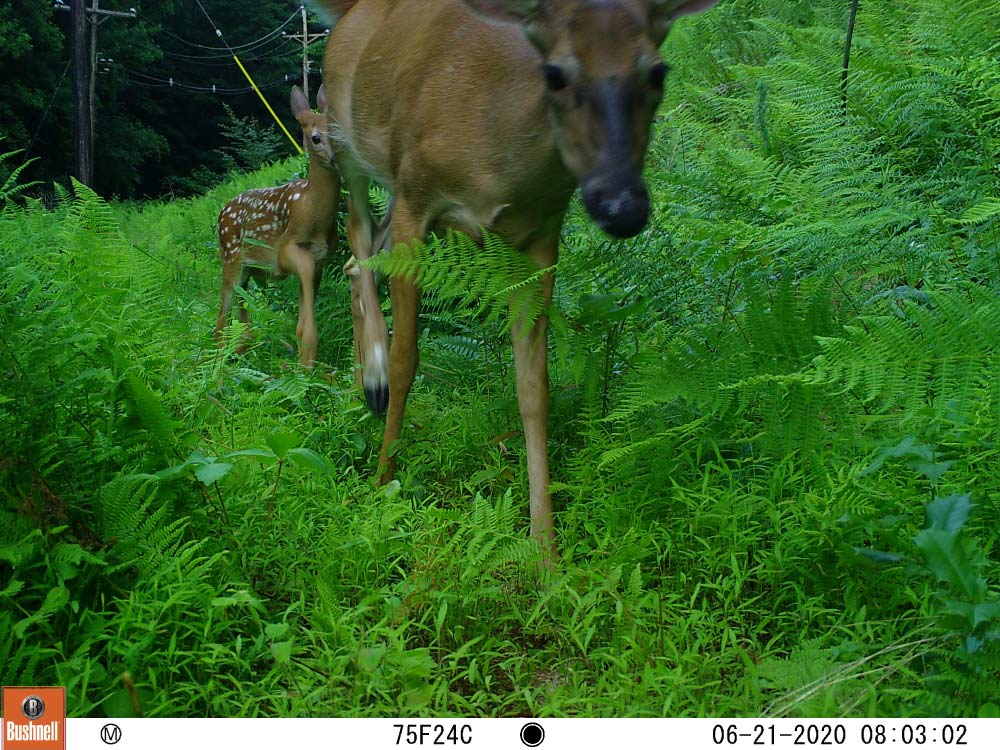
618 203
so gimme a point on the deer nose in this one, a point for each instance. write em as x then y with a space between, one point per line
620 210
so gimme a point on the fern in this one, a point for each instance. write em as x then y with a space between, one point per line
11 187
484 279
129 514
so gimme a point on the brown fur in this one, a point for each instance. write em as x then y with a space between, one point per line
490 113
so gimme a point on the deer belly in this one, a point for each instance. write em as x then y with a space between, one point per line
258 252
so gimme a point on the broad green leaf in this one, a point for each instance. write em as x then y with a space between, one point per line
282 651
594 307
483 475
276 629
989 711
877 555
949 513
626 311
281 441
417 698
948 559
264 454
370 658
932 470
55 599
310 459
209 474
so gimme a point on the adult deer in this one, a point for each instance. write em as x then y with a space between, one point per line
292 229
488 114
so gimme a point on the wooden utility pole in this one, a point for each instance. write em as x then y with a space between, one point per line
85 77
306 39
82 102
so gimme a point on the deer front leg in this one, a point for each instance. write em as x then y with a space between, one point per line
371 335
230 275
297 260
403 353
234 274
531 364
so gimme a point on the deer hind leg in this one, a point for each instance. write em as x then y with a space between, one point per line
300 262
247 273
371 334
403 354
531 364
230 276
234 274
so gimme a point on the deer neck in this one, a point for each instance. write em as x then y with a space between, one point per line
323 184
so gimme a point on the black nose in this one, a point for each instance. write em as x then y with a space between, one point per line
378 399
621 211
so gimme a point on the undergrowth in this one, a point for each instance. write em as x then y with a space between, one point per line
774 430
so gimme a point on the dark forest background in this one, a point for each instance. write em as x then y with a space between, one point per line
153 138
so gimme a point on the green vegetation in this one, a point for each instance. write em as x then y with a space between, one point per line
776 419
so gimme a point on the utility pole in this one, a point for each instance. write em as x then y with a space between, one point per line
85 77
306 39
81 94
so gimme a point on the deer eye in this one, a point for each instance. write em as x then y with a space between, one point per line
555 77
316 139
658 74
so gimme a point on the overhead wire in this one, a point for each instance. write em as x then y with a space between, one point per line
45 114
236 59
286 47
157 82
229 50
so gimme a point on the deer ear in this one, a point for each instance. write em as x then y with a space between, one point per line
663 13
506 10
321 99
299 102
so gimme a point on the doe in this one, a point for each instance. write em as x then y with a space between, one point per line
489 114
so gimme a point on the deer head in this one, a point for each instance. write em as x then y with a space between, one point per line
313 125
602 70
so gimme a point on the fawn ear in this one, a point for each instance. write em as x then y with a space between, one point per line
300 104
321 99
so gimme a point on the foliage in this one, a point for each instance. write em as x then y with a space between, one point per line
159 90
11 186
773 435
251 145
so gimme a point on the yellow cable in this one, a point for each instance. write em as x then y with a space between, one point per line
261 95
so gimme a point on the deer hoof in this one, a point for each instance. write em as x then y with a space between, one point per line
378 399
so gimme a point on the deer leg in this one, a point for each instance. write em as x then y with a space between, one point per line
246 273
230 275
318 278
297 260
371 335
403 353
531 364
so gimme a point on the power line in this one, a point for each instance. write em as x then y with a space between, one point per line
217 90
157 82
236 59
224 52
45 114
229 48
223 60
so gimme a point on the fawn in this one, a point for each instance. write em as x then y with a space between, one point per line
292 229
